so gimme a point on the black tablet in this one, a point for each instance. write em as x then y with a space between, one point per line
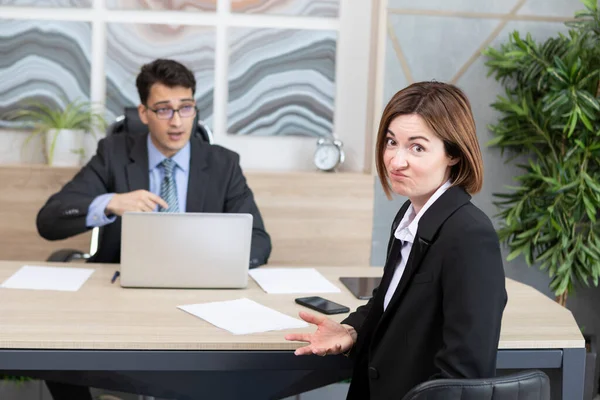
361 287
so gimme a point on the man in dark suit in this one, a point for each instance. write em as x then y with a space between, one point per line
127 172
166 170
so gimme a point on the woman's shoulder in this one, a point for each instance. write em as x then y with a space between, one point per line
469 219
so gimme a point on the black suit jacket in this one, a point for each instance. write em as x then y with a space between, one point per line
444 318
216 184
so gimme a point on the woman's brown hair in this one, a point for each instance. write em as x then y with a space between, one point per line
447 112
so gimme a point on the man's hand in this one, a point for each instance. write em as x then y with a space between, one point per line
139 201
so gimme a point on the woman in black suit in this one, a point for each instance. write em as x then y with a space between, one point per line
438 309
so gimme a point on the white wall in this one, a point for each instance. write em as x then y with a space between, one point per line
258 153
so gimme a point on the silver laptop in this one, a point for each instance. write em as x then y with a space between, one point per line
185 250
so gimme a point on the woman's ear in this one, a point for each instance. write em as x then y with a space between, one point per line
453 161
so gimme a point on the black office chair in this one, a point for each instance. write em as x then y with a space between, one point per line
127 124
524 385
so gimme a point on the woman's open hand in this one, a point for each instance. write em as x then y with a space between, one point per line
329 338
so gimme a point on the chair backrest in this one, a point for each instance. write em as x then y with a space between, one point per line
130 123
524 385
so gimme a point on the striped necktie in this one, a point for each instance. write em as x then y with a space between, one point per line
168 187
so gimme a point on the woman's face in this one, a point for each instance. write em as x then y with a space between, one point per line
415 159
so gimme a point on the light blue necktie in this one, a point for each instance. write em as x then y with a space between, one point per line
168 187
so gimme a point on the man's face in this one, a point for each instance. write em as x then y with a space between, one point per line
169 135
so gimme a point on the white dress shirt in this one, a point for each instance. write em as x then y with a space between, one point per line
406 233
96 216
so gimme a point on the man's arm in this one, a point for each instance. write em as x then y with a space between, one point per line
97 215
239 199
65 213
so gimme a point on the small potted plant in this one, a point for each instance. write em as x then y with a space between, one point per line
62 128
550 116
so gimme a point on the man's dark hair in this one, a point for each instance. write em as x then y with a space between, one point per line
168 72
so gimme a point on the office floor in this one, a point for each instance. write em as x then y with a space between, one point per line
36 390
331 392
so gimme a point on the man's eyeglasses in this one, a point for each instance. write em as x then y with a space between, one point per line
168 113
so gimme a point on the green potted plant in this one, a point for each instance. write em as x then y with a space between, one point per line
62 128
550 116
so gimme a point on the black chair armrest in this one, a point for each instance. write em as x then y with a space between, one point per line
67 255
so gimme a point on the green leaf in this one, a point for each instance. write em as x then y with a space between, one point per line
567 187
590 252
557 75
496 141
561 285
546 254
572 123
585 121
514 254
590 209
528 233
591 5
555 224
588 99
556 102
564 267
590 182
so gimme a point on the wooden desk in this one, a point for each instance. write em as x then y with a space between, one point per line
104 327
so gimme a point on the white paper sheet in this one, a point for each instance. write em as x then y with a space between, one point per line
48 278
243 316
292 280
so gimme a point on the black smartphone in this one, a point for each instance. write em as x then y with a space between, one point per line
322 305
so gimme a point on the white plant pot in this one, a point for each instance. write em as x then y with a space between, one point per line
67 147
